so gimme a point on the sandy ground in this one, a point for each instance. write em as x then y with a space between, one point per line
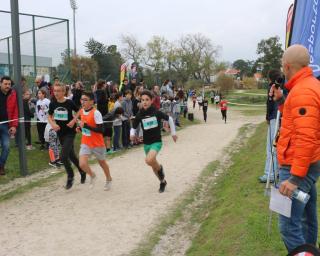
84 221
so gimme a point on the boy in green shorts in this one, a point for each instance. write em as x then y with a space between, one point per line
150 119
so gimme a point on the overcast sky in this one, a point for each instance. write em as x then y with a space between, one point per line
235 25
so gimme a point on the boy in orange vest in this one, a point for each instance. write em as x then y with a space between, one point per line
92 141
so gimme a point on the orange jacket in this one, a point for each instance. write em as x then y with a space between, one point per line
299 142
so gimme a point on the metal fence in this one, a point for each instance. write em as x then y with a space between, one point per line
45 46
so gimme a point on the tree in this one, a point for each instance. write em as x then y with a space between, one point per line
132 49
270 53
83 68
108 58
245 67
225 83
156 52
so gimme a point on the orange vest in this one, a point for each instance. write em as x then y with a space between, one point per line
299 141
90 138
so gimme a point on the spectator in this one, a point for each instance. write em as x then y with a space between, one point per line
271 116
28 110
41 84
117 123
8 111
127 115
156 100
77 92
298 148
42 108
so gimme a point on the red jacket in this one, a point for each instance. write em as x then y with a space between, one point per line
156 102
299 140
12 108
223 105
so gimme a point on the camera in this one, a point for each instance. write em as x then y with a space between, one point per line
279 82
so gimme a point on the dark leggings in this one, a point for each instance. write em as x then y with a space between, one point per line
67 154
125 133
41 128
205 114
27 128
224 115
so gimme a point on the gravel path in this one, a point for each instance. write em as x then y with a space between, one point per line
83 221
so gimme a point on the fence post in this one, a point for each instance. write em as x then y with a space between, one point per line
17 76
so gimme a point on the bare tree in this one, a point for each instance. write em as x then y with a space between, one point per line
132 49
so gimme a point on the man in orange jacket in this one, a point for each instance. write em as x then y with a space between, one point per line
298 147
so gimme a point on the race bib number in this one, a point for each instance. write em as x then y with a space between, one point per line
86 132
61 115
150 123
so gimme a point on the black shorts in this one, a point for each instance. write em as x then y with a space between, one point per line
108 132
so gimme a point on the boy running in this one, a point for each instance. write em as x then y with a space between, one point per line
62 121
150 120
92 141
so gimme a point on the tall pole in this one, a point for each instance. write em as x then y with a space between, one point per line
73 4
17 78
74 32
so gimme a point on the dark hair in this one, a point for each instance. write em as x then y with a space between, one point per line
56 78
100 84
128 92
88 94
117 95
5 78
147 93
274 75
119 111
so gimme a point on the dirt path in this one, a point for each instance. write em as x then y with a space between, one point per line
84 221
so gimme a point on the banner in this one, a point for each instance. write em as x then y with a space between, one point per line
123 71
289 25
306 30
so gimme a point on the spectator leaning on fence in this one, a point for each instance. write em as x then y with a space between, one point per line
8 112
298 148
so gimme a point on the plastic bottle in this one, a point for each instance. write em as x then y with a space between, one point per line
301 196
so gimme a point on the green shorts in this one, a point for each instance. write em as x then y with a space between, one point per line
154 146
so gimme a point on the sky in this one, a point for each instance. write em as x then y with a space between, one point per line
236 26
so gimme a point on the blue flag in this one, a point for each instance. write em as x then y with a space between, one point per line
306 30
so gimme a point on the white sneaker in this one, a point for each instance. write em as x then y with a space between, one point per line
107 186
93 180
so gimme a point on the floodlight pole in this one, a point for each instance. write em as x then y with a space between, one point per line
74 6
17 78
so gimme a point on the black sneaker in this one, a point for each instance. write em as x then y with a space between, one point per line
83 178
163 185
59 163
69 184
53 164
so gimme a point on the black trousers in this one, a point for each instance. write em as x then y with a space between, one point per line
224 115
205 113
67 154
125 133
41 128
27 129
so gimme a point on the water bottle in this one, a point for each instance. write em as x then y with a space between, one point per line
301 196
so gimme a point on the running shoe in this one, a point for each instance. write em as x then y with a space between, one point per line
69 184
107 186
53 164
93 180
163 185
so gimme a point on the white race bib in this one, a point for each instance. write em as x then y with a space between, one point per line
61 115
149 123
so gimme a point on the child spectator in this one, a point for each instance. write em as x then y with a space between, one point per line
42 108
117 123
51 137
29 110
